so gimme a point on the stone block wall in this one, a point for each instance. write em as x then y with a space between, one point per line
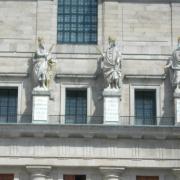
147 34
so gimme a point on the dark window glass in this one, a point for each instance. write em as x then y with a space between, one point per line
145 107
76 107
74 177
77 21
6 176
147 178
8 105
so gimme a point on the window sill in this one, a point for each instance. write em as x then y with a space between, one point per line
76 48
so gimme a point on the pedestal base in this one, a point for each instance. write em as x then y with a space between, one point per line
40 106
177 108
111 106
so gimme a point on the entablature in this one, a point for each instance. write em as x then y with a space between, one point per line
89 131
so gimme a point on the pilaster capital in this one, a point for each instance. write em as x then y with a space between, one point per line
176 172
111 172
38 172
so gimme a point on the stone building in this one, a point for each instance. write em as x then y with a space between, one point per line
77 128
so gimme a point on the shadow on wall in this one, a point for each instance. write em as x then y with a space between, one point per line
97 90
28 83
168 108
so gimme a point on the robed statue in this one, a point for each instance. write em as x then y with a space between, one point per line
43 62
111 65
174 68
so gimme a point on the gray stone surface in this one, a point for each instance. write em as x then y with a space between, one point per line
147 31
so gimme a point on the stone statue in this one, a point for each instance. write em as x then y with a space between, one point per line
174 67
43 65
111 65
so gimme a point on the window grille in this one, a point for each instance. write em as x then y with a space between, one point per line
76 107
77 21
145 107
8 105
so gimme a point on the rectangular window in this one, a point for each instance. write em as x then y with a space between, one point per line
6 176
145 107
8 105
74 177
76 107
147 178
77 21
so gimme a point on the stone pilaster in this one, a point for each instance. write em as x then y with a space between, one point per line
112 173
38 172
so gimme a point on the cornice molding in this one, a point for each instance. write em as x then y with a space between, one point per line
149 1
89 131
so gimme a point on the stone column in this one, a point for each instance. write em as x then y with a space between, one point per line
38 172
111 173
40 106
177 108
111 105
176 172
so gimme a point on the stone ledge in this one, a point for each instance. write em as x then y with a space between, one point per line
82 76
89 131
8 74
151 1
145 76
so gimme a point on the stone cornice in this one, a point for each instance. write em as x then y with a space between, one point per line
145 76
89 131
81 76
150 1
17 74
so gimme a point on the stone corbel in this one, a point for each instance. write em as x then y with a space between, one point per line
111 173
176 172
38 172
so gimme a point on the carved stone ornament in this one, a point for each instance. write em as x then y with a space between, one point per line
111 65
174 68
43 65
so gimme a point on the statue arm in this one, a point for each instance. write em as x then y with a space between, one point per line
99 51
51 48
175 67
169 64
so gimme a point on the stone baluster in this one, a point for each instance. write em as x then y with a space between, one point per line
111 173
38 172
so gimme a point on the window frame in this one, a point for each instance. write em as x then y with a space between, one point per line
134 87
63 88
8 106
90 42
18 86
76 106
144 91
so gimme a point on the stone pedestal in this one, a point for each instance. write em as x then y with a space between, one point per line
40 106
111 173
177 108
111 106
38 172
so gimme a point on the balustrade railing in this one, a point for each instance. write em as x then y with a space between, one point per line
81 119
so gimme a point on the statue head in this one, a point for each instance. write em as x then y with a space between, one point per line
111 41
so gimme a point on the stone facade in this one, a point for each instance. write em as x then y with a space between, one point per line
147 31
